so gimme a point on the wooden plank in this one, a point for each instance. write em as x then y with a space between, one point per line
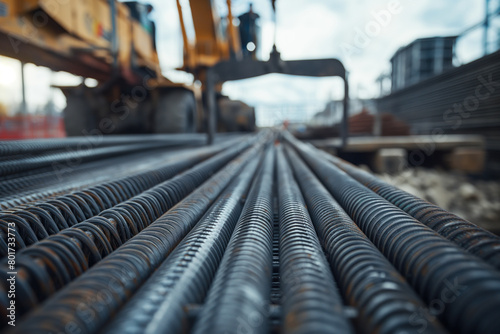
424 142
467 159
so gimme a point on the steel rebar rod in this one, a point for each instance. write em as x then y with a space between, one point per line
384 300
184 278
463 292
239 297
92 140
36 222
70 175
467 235
310 300
90 300
99 236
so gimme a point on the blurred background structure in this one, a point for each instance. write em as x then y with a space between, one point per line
305 30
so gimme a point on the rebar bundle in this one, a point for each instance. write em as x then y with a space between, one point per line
257 234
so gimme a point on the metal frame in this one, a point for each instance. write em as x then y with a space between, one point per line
231 70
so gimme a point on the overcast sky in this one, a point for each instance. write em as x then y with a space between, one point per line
306 29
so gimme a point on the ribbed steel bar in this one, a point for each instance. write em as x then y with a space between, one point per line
99 236
467 235
71 175
93 140
184 278
37 221
16 165
87 303
239 297
463 292
383 299
310 300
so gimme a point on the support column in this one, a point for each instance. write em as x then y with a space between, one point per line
211 107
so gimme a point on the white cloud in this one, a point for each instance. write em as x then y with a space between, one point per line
313 29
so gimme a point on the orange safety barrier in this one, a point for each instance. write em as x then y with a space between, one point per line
31 127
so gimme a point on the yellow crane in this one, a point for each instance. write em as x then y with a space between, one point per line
216 55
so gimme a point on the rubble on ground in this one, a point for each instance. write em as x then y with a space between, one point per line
475 200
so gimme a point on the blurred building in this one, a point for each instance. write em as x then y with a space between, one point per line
333 111
422 59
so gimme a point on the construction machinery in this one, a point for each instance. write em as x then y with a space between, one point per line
215 55
114 43
108 41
